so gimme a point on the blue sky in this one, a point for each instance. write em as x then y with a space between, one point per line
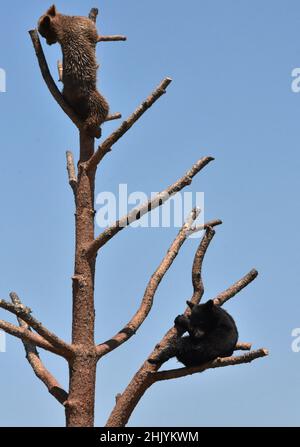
231 97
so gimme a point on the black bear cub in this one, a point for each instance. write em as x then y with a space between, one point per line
212 333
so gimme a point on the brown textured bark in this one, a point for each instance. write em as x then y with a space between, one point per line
35 362
114 38
82 366
128 400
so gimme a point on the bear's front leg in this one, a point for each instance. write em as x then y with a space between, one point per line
182 322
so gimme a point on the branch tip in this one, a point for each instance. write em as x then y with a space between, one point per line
71 171
217 363
220 299
113 38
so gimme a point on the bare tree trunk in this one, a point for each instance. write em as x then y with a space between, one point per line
82 367
81 402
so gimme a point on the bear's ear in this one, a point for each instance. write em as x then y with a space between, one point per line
52 11
44 23
210 303
190 304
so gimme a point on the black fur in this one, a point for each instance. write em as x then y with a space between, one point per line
212 333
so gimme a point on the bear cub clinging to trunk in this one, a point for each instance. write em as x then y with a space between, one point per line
78 38
212 333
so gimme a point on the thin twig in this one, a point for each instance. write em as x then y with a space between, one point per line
197 228
201 227
150 205
35 362
107 144
243 346
113 38
113 116
71 171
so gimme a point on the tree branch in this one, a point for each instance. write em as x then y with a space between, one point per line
205 226
114 116
35 362
147 375
197 265
150 205
220 299
243 346
217 363
51 84
25 334
71 171
24 313
107 144
60 71
113 38
198 289
146 304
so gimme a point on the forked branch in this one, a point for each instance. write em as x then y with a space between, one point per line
147 301
148 373
243 346
25 334
25 314
35 362
93 16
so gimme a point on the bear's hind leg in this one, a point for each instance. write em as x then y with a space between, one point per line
163 356
97 112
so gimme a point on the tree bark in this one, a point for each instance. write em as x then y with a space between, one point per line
82 366
129 399
80 405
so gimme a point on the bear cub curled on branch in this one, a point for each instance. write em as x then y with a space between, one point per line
78 38
212 333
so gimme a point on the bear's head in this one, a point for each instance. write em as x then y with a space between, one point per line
46 25
203 315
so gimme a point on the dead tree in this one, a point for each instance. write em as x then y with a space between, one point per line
83 354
